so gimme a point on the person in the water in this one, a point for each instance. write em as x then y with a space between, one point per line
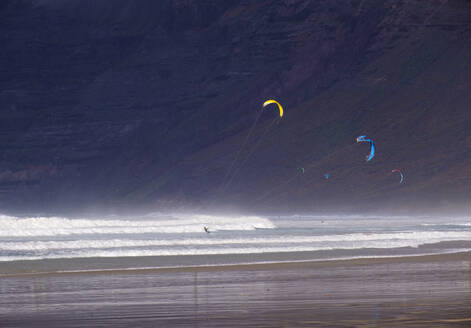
206 229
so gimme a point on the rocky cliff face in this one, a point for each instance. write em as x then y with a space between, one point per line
146 103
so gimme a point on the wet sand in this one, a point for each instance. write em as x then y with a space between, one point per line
426 291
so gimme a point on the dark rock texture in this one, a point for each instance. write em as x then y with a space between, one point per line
146 103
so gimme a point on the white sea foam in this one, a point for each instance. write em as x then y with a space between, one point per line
449 224
378 240
212 251
171 235
56 226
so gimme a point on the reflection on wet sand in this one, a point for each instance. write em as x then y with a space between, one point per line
409 293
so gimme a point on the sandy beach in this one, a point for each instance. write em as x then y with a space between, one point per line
423 291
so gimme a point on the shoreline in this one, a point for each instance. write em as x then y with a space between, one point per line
255 266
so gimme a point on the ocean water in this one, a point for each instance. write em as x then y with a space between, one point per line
230 237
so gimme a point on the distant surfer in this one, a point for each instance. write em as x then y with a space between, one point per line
206 229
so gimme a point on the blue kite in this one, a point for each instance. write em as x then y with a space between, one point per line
372 144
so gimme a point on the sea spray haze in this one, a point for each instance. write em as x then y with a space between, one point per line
119 104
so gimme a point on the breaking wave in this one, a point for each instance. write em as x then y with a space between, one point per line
173 235
59 226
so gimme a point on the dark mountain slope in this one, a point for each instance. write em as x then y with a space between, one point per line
146 103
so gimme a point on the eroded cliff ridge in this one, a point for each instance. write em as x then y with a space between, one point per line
133 103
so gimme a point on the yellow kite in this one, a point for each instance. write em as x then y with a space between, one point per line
271 101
